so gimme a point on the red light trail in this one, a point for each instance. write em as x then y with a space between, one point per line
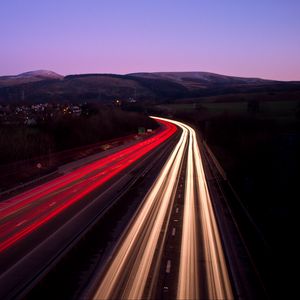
24 213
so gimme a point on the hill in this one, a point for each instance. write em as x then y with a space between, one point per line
194 80
47 86
32 76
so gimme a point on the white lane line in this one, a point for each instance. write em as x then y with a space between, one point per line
168 267
177 209
173 231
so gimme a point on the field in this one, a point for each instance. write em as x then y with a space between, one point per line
271 109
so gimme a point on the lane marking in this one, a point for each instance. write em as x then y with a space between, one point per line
173 231
168 268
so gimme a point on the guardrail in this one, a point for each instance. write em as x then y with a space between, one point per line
216 162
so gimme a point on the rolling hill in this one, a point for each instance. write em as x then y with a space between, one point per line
45 86
194 80
32 76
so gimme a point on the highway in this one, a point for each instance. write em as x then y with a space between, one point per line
24 213
38 224
135 266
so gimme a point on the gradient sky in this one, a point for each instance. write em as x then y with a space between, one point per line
252 38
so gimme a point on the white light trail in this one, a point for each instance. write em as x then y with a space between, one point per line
142 237
132 263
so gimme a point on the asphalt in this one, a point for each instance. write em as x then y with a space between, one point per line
37 254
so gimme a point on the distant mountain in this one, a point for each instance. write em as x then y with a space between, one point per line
45 86
72 88
42 74
32 76
194 80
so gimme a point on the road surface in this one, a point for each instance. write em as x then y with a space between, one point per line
36 225
135 266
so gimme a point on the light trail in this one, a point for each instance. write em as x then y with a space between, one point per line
134 264
188 280
219 286
217 277
129 270
34 205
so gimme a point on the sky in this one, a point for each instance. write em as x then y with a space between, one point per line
250 38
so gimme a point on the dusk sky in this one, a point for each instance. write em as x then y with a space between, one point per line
251 38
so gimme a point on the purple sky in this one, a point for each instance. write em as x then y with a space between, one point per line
254 38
